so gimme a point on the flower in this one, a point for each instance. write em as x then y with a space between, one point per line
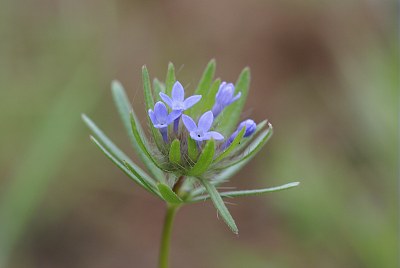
224 97
161 119
201 132
250 129
178 101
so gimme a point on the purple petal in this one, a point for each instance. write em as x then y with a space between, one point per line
213 135
206 121
152 117
192 100
172 116
189 123
178 93
161 112
236 97
166 99
160 126
195 136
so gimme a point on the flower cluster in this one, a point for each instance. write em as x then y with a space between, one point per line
196 143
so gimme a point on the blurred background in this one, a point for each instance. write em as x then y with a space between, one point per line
323 72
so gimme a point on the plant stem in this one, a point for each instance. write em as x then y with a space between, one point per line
166 235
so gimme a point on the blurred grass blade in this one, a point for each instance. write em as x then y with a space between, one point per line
204 161
168 195
175 152
124 108
249 192
204 87
232 146
231 114
220 205
143 144
111 147
170 79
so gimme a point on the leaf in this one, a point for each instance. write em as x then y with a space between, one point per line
149 101
192 149
232 146
170 79
169 195
204 87
243 143
141 142
220 205
119 164
204 161
175 152
254 192
149 184
231 114
112 148
124 108
208 99
158 87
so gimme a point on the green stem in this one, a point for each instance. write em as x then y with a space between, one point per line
166 235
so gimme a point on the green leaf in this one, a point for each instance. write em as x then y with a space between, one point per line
169 195
120 165
232 146
204 87
149 184
158 87
204 161
243 143
124 108
192 149
208 99
175 152
230 116
219 205
170 79
248 192
112 148
250 151
142 143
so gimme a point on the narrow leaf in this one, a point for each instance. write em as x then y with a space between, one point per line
248 192
169 195
112 148
170 79
208 99
124 108
121 166
192 149
175 152
231 114
219 205
158 87
204 161
232 146
149 184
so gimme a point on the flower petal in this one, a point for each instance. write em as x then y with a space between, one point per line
161 112
213 135
195 136
166 99
189 123
236 97
192 100
173 115
206 121
178 93
152 117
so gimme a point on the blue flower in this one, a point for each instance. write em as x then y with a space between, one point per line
224 97
201 131
250 129
178 101
161 119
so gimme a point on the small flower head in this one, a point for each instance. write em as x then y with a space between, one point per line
224 97
160 117
201 131
178 101
250 127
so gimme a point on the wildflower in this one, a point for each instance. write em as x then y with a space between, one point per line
178 101
224 97
250 129
161 119
201 131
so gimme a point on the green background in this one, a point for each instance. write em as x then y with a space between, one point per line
323 72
